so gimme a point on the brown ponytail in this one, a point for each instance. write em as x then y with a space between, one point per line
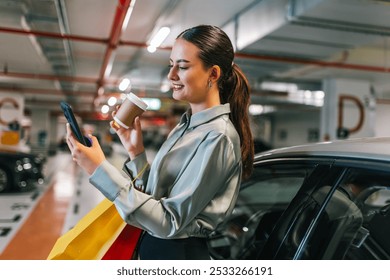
236 91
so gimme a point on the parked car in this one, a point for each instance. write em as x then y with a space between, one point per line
319 201
20 171
261 145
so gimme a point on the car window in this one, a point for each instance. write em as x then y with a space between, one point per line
261 201
370 191
351 218
271 191
288 240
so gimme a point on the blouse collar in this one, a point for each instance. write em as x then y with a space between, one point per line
205 115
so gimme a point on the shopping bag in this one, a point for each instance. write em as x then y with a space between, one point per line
125 245
92 236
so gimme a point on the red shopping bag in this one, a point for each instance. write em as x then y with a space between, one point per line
124 245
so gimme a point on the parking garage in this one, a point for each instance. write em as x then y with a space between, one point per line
318 72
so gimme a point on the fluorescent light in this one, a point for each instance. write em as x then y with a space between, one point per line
153 103
105 109
160 36
152 49
33 40
112 101
256 109
319 94
279 86
124 84
128 14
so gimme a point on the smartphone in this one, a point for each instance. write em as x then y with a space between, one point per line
68 113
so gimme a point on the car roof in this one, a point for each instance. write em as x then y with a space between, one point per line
375 148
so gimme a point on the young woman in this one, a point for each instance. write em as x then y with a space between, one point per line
193 181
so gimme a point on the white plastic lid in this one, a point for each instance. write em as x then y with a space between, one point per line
136 100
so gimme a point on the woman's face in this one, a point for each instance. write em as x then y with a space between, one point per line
187 75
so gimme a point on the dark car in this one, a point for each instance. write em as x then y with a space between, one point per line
321 201
20 171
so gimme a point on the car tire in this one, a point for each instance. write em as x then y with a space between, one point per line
5 180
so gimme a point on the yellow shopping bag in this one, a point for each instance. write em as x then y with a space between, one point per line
92 236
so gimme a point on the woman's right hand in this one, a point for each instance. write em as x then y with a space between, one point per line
131 138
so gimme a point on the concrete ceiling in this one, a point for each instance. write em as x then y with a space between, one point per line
77 50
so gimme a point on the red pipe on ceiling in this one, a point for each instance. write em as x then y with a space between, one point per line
121 11
72 37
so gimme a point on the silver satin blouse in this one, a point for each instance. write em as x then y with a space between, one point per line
190 187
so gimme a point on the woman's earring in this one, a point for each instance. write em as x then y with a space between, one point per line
210 84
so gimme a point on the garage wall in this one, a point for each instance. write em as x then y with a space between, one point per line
301 128
382 123
295 129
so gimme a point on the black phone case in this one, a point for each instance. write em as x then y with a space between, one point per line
68 113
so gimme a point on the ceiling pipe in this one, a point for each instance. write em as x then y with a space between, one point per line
321 63
46 91
53 35
340 65
143 45
72 37
122 16
63 25
7 73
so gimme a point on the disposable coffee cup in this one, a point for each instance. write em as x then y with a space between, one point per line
132 106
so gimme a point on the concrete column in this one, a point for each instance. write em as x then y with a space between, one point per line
348 111
40 130
53 130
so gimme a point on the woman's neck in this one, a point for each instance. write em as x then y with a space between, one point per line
211 101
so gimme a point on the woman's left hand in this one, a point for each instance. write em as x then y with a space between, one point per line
89 158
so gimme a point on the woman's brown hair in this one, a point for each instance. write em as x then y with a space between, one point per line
215 48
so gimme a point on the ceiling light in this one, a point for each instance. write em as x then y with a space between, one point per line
153 103
279 86
124 84
256 109
319 94
128 14
152 49
105 109
112 101
157 40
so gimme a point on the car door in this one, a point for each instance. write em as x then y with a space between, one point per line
262 200
339 215
303 217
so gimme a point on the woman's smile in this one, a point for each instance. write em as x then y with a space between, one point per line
177 87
